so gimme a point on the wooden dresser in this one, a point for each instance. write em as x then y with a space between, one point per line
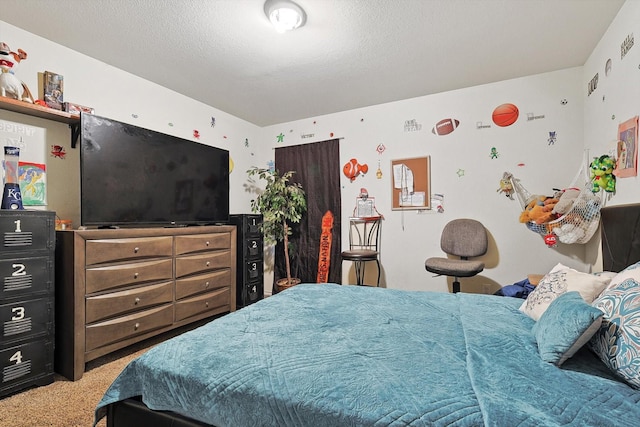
118 287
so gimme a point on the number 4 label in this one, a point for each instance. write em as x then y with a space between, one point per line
17 357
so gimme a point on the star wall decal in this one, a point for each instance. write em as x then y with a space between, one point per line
280 137
460 172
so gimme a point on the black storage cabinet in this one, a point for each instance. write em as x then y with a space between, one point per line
250 258
26 299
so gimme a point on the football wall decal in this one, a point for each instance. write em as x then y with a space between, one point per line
505 115
445 126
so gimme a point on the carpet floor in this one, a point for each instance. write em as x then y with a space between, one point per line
65 403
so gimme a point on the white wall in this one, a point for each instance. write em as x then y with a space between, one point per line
125 97
617 96
409 237
615 99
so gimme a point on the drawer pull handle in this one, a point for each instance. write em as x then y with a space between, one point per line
136 326
206 243
135 250
206 304
135 275
206 284
208 263
136 301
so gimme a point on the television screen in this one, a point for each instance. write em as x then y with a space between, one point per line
135 176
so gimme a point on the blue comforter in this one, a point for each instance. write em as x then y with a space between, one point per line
330 355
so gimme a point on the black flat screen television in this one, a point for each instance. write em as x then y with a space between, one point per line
131 176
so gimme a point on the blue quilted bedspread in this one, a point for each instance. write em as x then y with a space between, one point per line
330 355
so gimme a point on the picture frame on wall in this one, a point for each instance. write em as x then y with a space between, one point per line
627 149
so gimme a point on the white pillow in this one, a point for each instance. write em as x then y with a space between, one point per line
559 280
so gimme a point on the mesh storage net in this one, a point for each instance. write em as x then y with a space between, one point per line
579 223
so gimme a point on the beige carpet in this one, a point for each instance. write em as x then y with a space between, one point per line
66 403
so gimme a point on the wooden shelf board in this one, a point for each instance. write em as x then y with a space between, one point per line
38 111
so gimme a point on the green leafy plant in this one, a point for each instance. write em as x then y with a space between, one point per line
281 203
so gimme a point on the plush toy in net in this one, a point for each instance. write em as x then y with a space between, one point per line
569 216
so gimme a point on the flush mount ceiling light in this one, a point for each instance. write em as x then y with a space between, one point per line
285 15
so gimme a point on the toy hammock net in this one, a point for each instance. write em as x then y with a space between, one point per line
578 223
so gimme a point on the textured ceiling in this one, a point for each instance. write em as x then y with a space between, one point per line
350 53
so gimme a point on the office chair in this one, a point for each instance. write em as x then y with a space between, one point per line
463 238
364 245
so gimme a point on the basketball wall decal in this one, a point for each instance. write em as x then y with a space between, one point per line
445 126
505 115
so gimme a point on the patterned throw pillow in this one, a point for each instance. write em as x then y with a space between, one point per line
559 280
617 342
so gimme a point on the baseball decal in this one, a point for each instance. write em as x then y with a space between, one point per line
505 115
445 126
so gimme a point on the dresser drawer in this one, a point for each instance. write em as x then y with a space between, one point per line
202 283
113 250
113 276
103 333
21 276
202 242
25 319
200 263
202 303
116 303
25 363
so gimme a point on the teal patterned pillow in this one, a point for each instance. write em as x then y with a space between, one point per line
617 342
565 327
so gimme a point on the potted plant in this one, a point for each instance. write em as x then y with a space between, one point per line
281 203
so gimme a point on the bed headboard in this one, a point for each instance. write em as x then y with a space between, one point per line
620 232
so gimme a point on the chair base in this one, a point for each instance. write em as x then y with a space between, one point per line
359 266
455 287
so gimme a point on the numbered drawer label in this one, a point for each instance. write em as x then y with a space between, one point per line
27 231
253 225
253 270
26 360
22 276
26 318
253 248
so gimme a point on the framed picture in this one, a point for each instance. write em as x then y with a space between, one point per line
53 90
365 208
411 186
627 149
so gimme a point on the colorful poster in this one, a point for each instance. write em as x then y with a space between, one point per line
33 183
31 141
627 163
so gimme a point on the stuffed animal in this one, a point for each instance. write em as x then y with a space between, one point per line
565 201
10 85
569 233
602 174
539 210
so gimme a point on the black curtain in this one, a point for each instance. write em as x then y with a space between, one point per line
317 167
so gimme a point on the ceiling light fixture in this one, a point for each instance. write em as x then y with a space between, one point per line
285 15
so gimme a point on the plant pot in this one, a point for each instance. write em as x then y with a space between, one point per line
283 284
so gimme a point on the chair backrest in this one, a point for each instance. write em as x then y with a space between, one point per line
464 238
364 233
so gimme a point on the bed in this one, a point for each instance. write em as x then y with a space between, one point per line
330 355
